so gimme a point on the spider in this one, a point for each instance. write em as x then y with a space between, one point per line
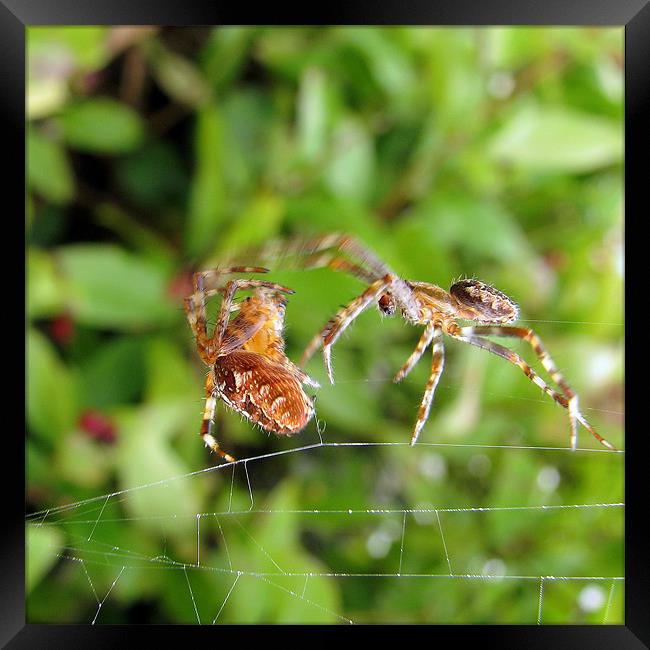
248 369
422 303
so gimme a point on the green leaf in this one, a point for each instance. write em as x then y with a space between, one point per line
43 545
453 84
86 46
82 461
169 375
114 374
45 290
102 126
45 97
54 54
153 176
48 169
250 129
387 61
207 193
109 287
558 139
313 113
350 171
51 399
223 54
145 459
178 77
259 221
447 220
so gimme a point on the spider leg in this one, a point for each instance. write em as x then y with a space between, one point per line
229 292
195 313
535 342
207 424
322 252
437 366
313 345
200 279
468 335
355 249
196 316
334 328
423 344
340 264
399 287
319 251
528 335
195 306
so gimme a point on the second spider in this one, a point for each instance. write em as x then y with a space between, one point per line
247 366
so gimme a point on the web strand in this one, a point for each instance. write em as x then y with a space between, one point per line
90 548
216 468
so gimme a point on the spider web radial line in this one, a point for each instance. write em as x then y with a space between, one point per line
126 491
232 587
99 607
609 601
310 602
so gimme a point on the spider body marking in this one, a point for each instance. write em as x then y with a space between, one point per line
248 368
423 303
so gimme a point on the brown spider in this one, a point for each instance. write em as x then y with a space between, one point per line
248 368
422 303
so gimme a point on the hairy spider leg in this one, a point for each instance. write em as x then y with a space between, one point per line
300 247
353 248
200 277
195 306
528 335
331 261
379 269
536 344
229 291
437 366
207 423
321 252
314 344
195 313
468 335
317 339
336 326
423 344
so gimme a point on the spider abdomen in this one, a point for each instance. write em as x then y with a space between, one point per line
264 391
482 303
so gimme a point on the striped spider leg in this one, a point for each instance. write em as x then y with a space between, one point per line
248 369
422 303
568 399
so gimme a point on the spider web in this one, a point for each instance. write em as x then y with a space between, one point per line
97 546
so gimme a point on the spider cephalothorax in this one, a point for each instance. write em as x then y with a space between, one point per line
423 303
248 369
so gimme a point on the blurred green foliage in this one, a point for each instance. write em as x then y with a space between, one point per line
494 153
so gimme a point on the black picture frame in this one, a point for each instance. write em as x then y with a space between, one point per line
634 15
